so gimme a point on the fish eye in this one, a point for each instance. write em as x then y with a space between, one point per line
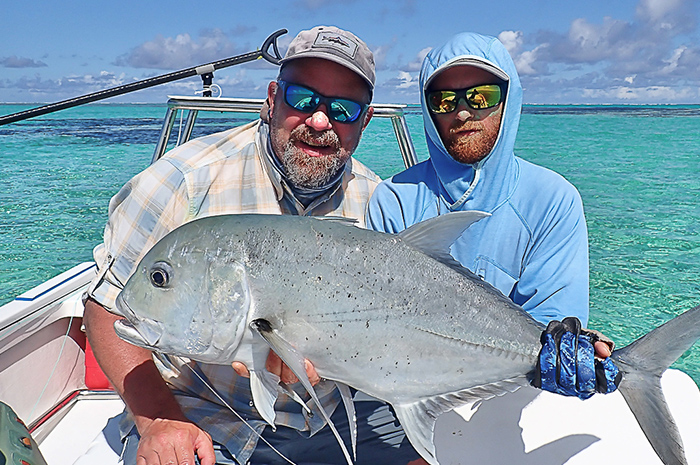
160 274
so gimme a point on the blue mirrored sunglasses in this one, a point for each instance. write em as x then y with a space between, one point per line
307 101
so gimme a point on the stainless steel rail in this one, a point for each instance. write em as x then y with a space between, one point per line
193 105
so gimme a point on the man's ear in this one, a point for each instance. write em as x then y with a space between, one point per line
368 116
265 111
271 92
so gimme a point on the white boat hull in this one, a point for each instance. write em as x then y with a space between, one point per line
540 428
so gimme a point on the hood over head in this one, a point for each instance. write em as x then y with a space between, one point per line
488 183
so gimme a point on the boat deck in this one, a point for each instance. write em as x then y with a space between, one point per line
526 427
68 437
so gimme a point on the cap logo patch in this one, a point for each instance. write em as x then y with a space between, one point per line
337 42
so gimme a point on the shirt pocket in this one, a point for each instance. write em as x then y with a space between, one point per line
495 274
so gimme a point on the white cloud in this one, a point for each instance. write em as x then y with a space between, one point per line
659 11
21 62
71 85
512 41
587 42
380 55
650 59
656 94
673 60
407 81
526 62
667 16
181 51
417 62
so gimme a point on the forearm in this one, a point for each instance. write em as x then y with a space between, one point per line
130 369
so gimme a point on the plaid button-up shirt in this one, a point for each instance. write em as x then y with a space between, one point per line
225 173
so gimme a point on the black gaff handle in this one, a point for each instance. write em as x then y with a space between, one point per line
272 40
151 82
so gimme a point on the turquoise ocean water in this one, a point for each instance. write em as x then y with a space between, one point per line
636 167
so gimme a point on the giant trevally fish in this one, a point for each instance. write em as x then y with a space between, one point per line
394 316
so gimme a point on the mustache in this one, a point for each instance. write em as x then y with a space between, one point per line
307 135
467 126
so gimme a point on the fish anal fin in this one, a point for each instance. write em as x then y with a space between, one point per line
419 424
418 419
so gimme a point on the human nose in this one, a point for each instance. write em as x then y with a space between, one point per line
319 121
463 115
463 112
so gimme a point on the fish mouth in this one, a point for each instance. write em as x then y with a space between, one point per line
140 331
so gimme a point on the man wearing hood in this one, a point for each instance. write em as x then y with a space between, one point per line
534 246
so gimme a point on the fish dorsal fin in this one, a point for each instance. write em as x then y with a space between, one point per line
434 236
295 362
418 419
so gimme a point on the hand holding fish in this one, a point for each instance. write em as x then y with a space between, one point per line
166 441
574 361
275 366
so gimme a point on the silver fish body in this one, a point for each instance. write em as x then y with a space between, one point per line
391 315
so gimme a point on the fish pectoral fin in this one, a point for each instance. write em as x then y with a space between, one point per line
346 395
295 361
284 388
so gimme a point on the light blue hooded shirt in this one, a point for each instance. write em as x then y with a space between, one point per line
534 247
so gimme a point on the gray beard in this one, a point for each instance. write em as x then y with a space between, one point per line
310 172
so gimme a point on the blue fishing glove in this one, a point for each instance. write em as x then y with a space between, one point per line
567 363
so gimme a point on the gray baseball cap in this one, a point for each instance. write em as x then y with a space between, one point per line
334 44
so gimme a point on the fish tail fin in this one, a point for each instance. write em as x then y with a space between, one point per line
642 363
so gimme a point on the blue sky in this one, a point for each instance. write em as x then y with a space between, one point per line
622 51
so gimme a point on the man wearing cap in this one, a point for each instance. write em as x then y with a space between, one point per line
534 246
298 164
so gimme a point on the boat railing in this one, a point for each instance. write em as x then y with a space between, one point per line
193 105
